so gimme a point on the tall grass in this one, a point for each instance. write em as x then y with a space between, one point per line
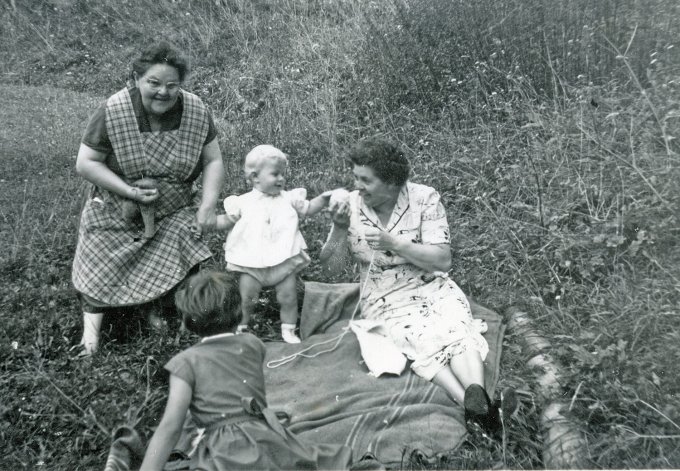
550 130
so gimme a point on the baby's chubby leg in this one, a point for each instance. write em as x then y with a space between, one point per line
286 295
250 290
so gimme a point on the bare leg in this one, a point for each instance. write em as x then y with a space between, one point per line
468 368
464 369
448 381
463 381
286 295
250 289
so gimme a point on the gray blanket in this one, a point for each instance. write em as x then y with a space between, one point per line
332 399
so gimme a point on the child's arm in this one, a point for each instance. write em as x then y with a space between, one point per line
318 203
166 435
225 222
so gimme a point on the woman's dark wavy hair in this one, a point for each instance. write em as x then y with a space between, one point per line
209 302
385 159
161 53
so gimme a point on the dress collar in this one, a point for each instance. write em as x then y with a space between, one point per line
400 208
261 194
215 337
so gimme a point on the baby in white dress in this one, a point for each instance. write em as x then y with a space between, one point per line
264 243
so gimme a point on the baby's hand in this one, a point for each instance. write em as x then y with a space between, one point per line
338 198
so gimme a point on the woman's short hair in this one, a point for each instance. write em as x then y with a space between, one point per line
161 53
209 302
385 159
259 156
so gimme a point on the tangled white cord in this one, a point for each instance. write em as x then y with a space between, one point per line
302 353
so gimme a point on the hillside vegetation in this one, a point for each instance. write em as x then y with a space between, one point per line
549 128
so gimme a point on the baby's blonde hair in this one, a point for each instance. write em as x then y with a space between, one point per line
256 158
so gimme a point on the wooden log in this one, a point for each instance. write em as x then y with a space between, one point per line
563 443
547 376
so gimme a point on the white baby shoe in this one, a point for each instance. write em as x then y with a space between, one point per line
288 333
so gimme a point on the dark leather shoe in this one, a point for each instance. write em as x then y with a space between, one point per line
481 415
477 406
486 418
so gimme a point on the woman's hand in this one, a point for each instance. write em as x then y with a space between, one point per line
431 258
143 195
206 218
91 165
340 215
380 240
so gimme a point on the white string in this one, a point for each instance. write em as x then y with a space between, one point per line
287 359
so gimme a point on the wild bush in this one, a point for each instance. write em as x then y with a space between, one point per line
466 58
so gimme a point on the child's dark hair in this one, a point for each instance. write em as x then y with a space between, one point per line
209 302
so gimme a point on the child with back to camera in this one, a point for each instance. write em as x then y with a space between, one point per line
264 243
221 382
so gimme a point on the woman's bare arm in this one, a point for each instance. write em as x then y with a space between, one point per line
213 178
91 165
431 258
334 254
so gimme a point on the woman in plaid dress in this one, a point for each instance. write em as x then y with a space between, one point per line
152 132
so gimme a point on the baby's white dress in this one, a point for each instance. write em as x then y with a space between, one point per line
267 235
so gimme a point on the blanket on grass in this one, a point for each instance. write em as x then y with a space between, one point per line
331 398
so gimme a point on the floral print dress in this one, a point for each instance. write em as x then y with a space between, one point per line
426 314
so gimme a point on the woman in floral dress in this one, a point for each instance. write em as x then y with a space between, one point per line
398 233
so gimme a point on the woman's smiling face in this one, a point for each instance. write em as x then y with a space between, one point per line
372 189
159 88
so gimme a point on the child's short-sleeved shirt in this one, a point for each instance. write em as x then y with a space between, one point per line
221 371
268 232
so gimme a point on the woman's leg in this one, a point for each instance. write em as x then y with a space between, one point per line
286 295
468 368
92 324
480 410
250 290
448 381
93 314
463 370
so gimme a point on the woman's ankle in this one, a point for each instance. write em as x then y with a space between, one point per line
92 322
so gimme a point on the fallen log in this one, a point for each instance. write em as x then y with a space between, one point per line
563 442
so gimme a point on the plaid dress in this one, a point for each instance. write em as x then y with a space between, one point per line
114 264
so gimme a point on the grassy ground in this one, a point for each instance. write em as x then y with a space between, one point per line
549 131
